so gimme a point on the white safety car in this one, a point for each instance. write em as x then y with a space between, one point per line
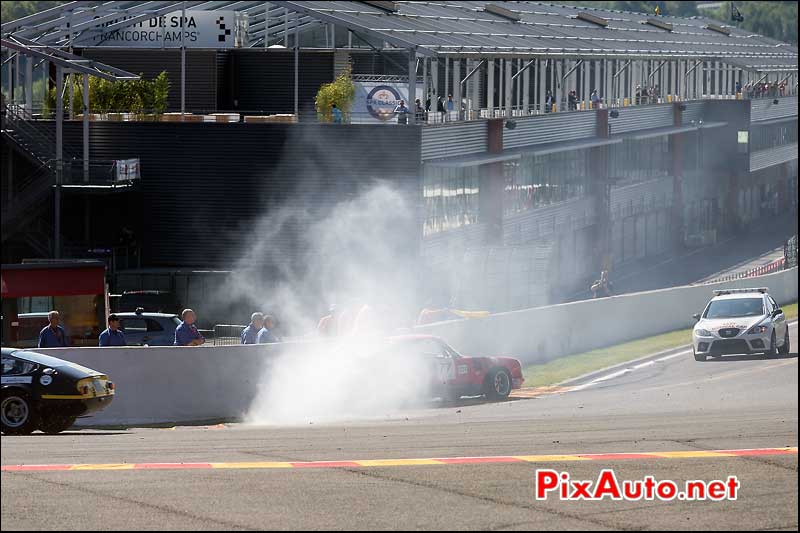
740 321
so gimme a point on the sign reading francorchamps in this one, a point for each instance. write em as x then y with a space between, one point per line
201 29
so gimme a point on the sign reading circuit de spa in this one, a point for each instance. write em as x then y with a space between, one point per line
201 29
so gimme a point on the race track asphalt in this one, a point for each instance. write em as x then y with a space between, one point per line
672 405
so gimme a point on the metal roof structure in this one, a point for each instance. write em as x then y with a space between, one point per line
448 28
64 59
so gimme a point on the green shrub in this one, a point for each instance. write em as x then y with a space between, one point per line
341 92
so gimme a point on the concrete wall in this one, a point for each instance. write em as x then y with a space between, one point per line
544 333
176 384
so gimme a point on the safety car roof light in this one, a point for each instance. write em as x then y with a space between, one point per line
721 292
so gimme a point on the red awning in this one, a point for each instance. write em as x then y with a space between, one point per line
56 281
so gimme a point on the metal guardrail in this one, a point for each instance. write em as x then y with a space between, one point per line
227 334
775 266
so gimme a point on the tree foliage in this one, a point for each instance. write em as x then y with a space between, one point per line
340 91
127 96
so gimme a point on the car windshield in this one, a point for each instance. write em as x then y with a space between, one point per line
176 320
735 308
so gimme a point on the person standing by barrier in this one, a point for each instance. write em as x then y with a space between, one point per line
602 287
250 333
419 112
265 336
53 335
186 333
336 113
402 112
112 336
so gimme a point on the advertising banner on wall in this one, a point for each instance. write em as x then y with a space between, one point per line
375 100
201 29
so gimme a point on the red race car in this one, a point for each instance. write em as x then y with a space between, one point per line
454 375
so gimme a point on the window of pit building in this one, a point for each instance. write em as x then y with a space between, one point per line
637 160
773 135
451 198
540 180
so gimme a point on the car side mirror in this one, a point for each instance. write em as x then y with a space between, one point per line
777 312
696 316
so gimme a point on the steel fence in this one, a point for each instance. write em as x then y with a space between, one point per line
227 334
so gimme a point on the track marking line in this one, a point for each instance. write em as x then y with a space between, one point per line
370 463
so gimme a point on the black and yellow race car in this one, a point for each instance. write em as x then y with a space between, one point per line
46 393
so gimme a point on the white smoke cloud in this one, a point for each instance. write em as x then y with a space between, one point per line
360 256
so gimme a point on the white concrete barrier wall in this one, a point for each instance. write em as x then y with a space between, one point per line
176 384
544 333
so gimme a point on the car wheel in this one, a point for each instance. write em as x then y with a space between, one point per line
498 385
773 348
52 424
17 413
698 357
786 348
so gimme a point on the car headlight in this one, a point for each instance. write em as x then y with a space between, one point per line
755 330
702 333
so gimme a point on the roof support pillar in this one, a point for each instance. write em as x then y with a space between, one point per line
541 70
183 58
558 86
412 84
526 88
296 71
59 160
17 69
490 86
435 82
457 87
507 100
29 84
585 88
425 88
85 127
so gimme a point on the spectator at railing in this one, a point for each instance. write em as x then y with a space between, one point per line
549 101
402 112
52 335
419 112
186 333
266 336
337 114
450 104
572 101
112 336
440 108
595 98
738 87
250 333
